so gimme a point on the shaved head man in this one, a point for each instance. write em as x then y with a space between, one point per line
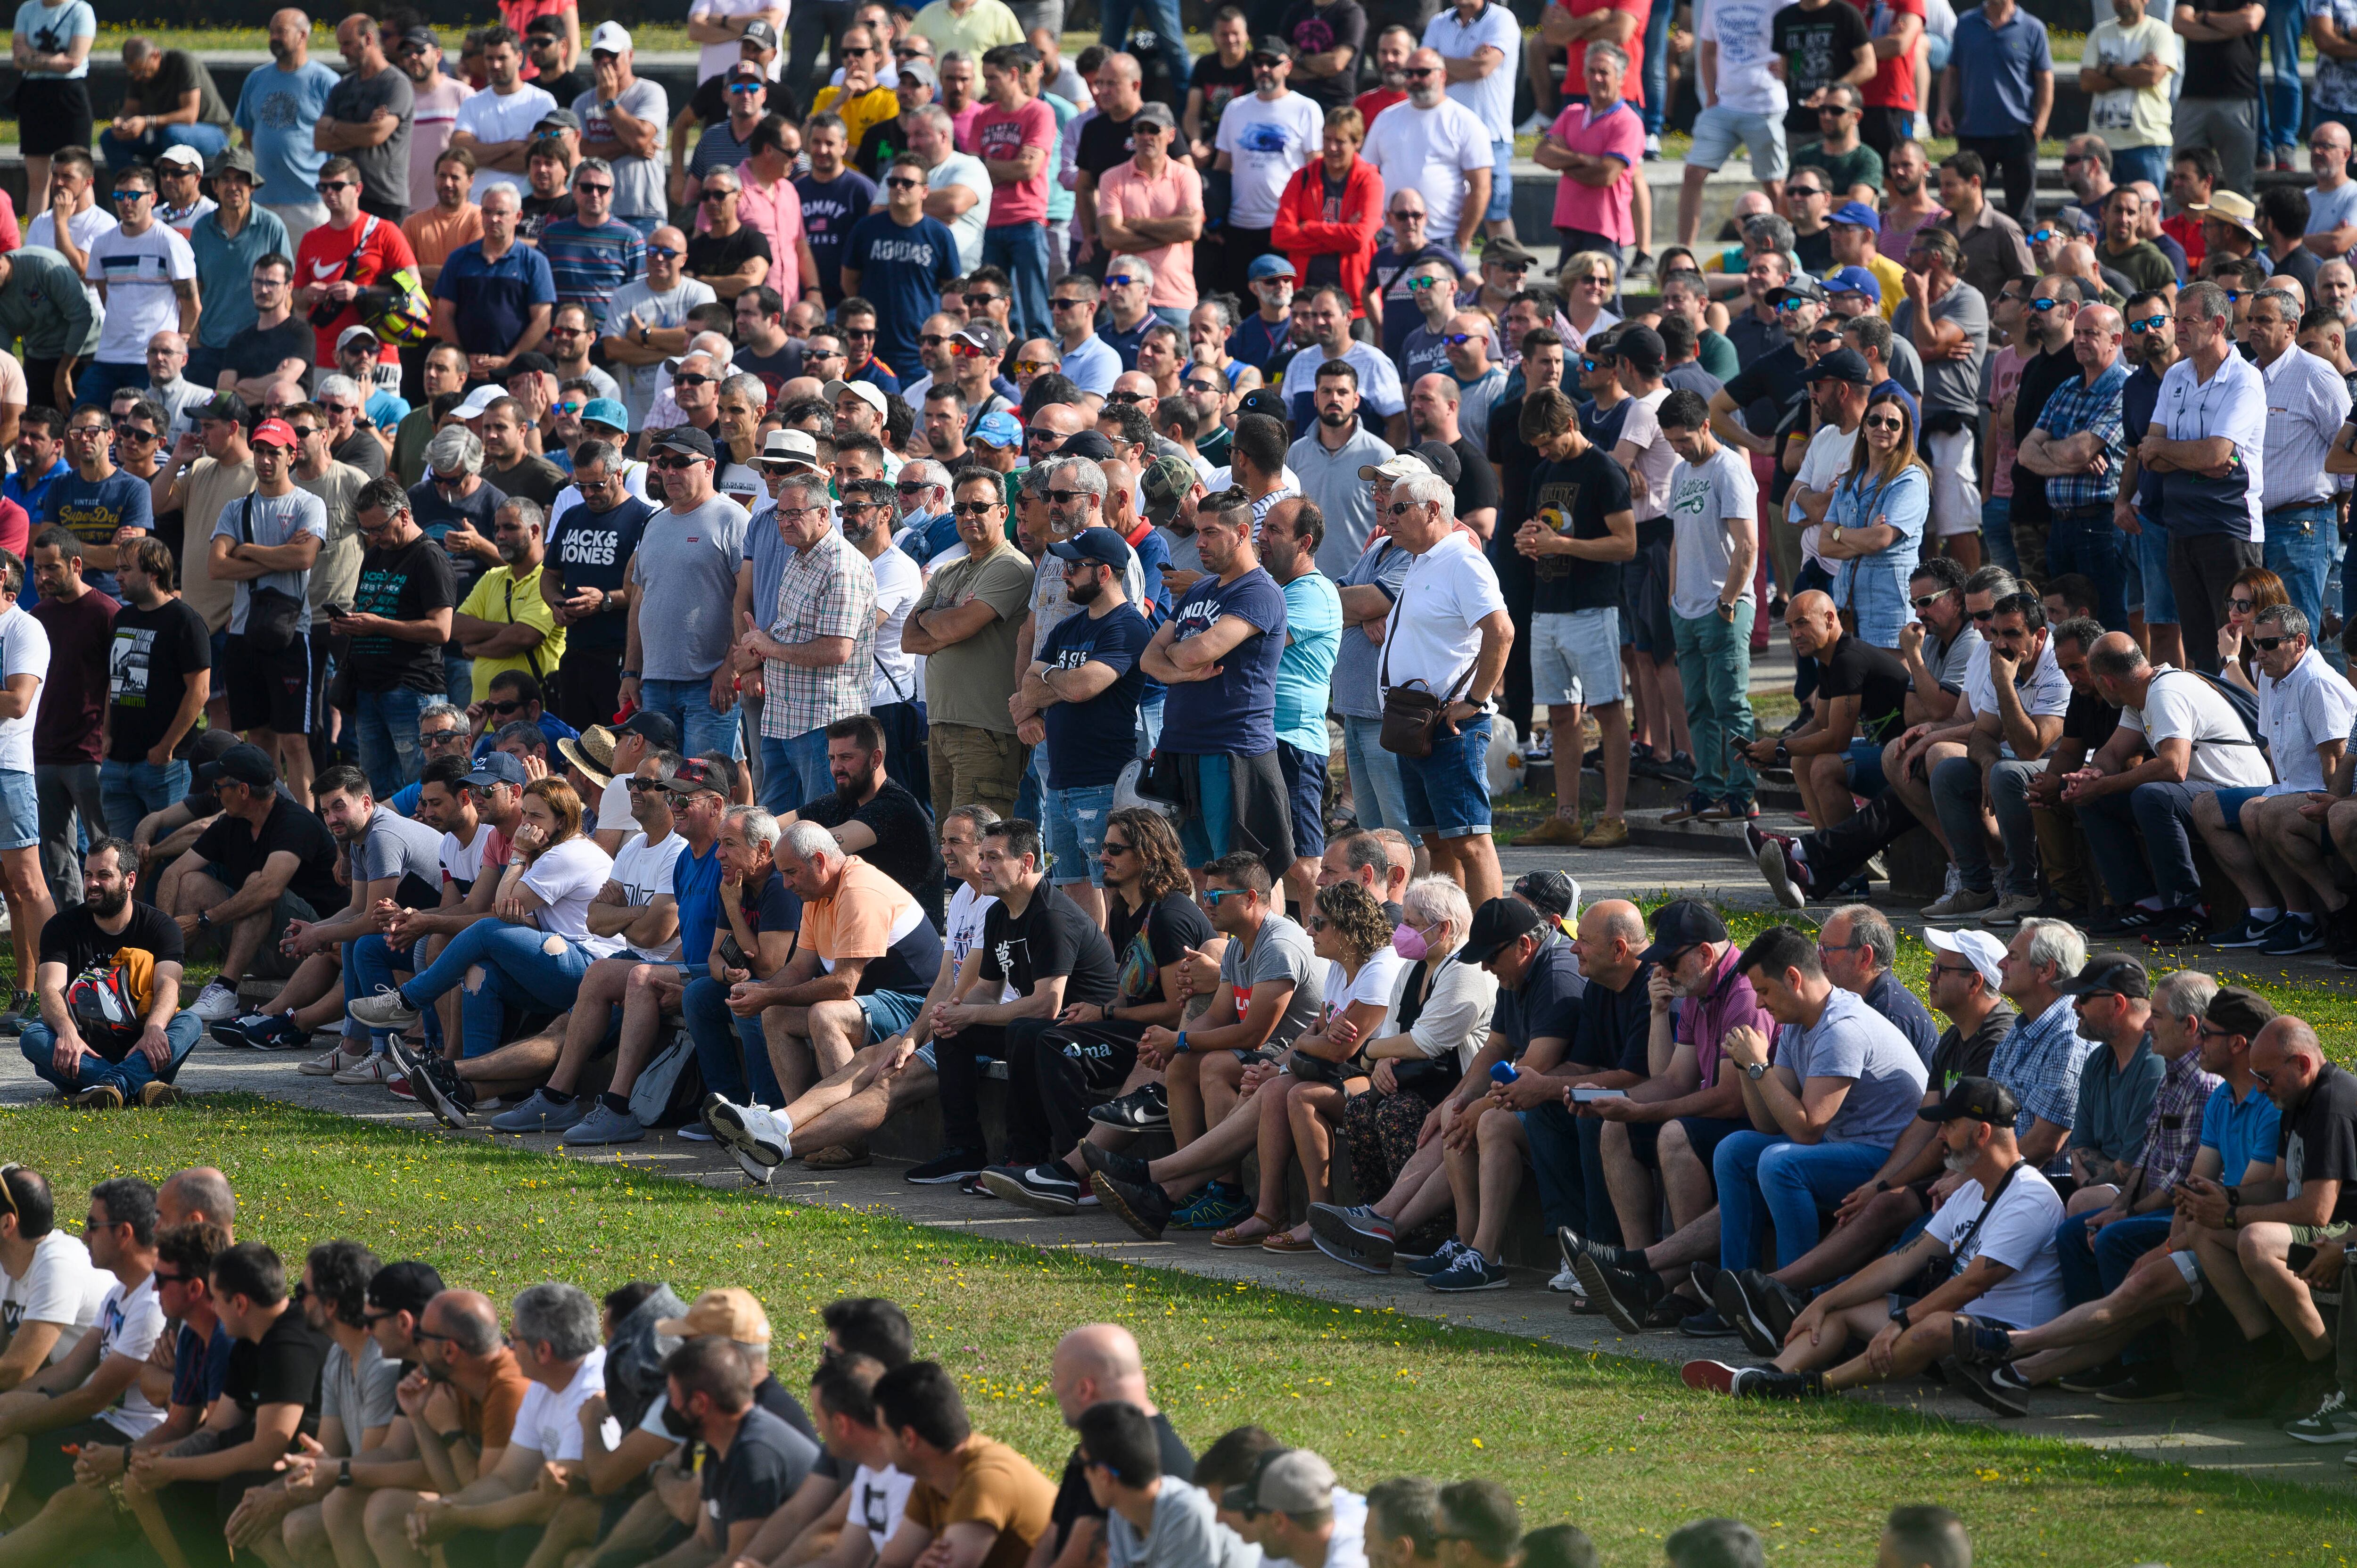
1093 1364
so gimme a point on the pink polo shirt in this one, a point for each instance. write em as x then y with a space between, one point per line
1124 194
1599 209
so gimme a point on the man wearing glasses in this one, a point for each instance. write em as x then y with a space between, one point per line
647 318
338 260
894 267
276 346
593 254
1851 169
584 581
139 430
726 254
685 577
146 280
95 501
180 197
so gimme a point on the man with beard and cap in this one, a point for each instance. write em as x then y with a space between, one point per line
139 949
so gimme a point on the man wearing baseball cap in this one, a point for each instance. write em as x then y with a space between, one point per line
1295 1510
263 861
265 543
679 621
1855 229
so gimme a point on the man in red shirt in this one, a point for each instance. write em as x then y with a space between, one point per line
1888 118
2193 174
1013 136
1392 45
336 261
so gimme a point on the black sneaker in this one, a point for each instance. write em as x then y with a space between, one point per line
1050 1188
1114 1164
2133 918
1998 1390
1136 1111
1761 1308
2096 1380
1624 1295
1977 1343
434 1081
24 1008
955 1165
2154 1382
1707 1325
2272 1390
2188 927
1144 1208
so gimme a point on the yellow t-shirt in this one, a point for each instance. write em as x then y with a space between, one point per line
493 601
872 107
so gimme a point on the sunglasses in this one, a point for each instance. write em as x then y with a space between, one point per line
2242 607
866 334
672 463
503 709
135 193
1928 600
1124 281
1802 192
2268 644
1401 508
1213 895
330 186
1458 340
1406 217
2043 303
2039 236
1417 73
1983 616
694 380
713 194
1111 846
666 252
1418 285
1067 304
748 87
1319 923
2148 324
1586 362
1031 367
443 738
912 486
1062 498
1885 423
585 189
974 509
646 786
1125 397
982 301
133 432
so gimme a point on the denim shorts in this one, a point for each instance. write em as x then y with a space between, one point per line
1305 793
1865 775
2150 553
1576 657
20 811
2232 802
1076 830
1502 181
1718 129
1448 792
890 1013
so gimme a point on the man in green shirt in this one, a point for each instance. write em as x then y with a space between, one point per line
42 302
2125 250
1849 163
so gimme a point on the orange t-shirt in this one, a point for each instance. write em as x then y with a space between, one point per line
433 234
868 913
491 1420
996 1487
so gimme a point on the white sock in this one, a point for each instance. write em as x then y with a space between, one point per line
2267 915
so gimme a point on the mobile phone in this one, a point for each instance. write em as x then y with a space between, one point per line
339 612
1582 1096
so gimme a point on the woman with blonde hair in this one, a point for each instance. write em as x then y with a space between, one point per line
2254 589
534 952
1589 283
1873 531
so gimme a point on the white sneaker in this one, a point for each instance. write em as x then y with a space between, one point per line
751 1132
216 1003
385 1010
1567 1283
755 1171
1534 126
373 1069
329 1063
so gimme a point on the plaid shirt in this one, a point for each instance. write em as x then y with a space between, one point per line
2073 407
2040 1061
2174 1135
828 590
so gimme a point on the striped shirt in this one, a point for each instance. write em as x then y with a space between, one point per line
591 263
2174 1135
2040 1062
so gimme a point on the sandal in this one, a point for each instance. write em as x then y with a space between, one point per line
1285 1241
837 1157
1232 1238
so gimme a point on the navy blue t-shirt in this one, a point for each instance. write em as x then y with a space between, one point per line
1090 743
592 550
1234 712
831 210
492 300
1547 1005
92 513
2139 395
901 271
200 1367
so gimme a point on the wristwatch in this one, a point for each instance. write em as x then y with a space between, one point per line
1755 1072
204 920
1898 1315
344 1473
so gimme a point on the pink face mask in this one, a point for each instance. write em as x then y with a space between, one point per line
1408 942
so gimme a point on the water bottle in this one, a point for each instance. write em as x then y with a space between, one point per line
1504 1072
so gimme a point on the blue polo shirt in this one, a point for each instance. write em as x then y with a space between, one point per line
1995 66
2241 1134
494 299
29 494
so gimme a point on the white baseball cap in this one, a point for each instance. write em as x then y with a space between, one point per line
1978 949
478 402
867 392
611 38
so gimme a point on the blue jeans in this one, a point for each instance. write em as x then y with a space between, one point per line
1568 1156
1169 34
2094 546
793 771
2299 550
2280 96
121 152
130 790
1076 831
688 705
1996 533
2132 164
391 754
517 969
1715 664
2143 843
100 381
1034 788
129 1076
372 964
1657 68
728 1046
1022 250
2094 1265
1757 1172
646 223
2149 552
457 680
1447 793
1149 724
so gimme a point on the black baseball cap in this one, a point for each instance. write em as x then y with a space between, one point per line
1099 545
2109 973
2239 1011
1497 924
1441 459
1841 365
1264 400
1094 444
405 1287
532 359
243 763
660 733
1681 923
498 768
1550 892
686 438
1975 1100
1641 347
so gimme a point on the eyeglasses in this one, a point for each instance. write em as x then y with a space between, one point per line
693 380
1885 423
974 509
2268 644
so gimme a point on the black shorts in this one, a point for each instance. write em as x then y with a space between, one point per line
48 1468
52 115
269 689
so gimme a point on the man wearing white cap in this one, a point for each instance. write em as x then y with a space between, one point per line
1295 1510
646 322
626 120
180 197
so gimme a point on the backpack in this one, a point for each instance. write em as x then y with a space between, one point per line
670 1088
2245 707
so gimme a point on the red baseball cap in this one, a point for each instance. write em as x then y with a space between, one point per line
274 432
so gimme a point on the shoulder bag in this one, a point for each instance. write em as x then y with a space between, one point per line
1412 713
272 615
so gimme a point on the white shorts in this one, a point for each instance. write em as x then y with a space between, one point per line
1717 131
1955 488
1576 657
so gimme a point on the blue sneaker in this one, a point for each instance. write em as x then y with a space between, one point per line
1472 1271
1215 1208
1432 1263
2298 934
2250 933
280 1033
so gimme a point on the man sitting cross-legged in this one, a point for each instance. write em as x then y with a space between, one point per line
2238 1240
460 1403
124 1044
1990 1246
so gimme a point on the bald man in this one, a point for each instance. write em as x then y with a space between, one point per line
193 1197
1861 705
1094 1363
279 109
1051 426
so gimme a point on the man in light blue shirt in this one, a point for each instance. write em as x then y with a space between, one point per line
1091 362
277 109
228 241
1290 539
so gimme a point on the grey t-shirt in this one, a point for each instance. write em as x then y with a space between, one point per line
686 566
1187 1534
638 182
1852 1040
359 1396
400 847
1952 385
1949 663
1384 565
275 520
384 168
1281 951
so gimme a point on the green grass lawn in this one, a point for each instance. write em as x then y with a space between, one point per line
1617 1447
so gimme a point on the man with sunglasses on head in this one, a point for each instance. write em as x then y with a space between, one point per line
146 276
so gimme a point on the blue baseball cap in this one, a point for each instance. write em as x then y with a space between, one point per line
605 410
1099 545
1857 214
1854 280
999 430
1269 267
498 768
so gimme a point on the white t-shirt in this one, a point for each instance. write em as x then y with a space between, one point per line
1448 589
1702 499
713 58
1433 150
1822 467
2020 1235
1379 383
967 228
1491 98
2045 689
2311 705
490 117
24 650
614 807
669 308
1266 140
1376 980
128 1325
968 910
550 1423
897 583
878 1498
2179 705
1346 1547
1742 29
85 227
61 1287
138 273
464 861
565 878
643 872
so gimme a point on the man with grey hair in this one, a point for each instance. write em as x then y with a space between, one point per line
815 657
2308 402
921 498
457 509
1857 945
2040 1061
343 400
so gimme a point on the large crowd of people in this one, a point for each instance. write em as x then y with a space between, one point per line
171 1393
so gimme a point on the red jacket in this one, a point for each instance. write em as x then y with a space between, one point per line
1302 231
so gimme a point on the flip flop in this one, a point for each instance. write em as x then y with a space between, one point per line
1230 1240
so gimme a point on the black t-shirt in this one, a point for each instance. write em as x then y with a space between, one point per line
882 142
2224 68
1104 142
1144 939
574 82
406 582
1312 30
1222 85
1050 938
240 853
1766 388
537 212
1583 492
282 1367
72 937
155 653
1957 1056
1874 676
717 255
2090 719
904 849
779 1400
1476 482
535 478
1818 47
363 451
592 550
1615 1025
1816 251
2317 1140
1074 1501
1546 1006
258 351
2040 377
766 1462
